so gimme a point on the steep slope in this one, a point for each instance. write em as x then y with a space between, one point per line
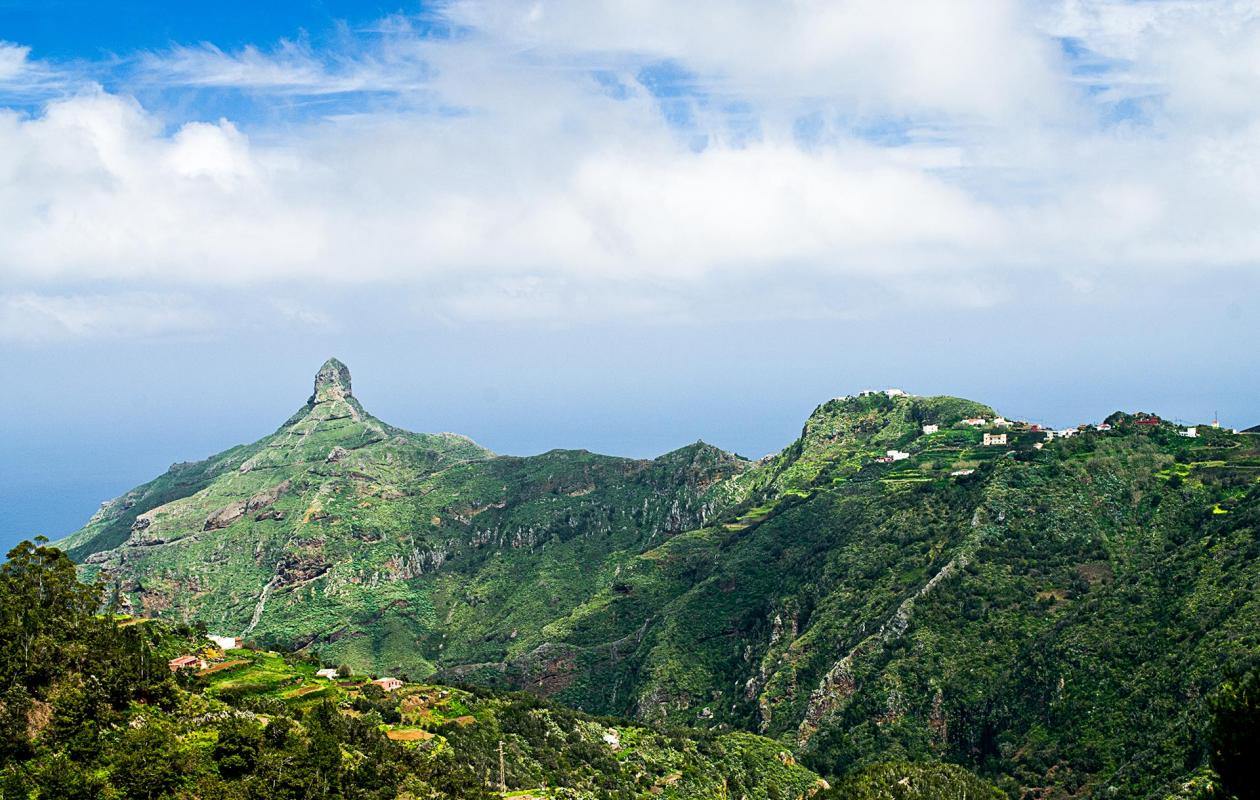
384 547
890 586
1054 616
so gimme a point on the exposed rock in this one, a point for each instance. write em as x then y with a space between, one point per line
332 382
336 454
267 497
225 516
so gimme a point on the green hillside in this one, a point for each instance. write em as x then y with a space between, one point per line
1050 614
110 720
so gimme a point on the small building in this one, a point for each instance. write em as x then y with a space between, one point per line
958 473
1066 433
1001 422
931 429
1191 433
388 684
884 460
994 438
894 393
185 662
1104 426
224 642
974 422
326 672
897 455
1035 428
1148 421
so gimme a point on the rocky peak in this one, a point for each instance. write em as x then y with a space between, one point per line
332 382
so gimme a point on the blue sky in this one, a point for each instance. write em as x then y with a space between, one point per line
606 225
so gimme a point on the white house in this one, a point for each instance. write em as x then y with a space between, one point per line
326 672
1066 433
894 393
958 473
224 642
388 684
994 438
1191 433
975 422
1001 422
898 455
931 429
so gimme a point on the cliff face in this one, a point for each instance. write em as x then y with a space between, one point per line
1053 612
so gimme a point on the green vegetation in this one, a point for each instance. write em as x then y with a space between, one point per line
901 781
90 710
1053 619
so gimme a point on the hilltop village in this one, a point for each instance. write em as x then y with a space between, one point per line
997 435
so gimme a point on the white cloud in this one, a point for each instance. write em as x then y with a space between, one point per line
31 317
1202 59
12 60
502 180
291 68
977 59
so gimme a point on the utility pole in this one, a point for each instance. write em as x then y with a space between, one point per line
502 784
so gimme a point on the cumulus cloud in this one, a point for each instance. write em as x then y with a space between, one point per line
796 160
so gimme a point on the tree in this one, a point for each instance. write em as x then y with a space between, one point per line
237 748
150 762
1235 735
45 614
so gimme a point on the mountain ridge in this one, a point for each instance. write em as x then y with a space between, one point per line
844 596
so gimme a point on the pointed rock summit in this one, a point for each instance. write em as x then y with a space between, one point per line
332 382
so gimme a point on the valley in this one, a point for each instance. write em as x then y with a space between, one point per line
912 579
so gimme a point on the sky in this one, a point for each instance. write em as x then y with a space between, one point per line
620 225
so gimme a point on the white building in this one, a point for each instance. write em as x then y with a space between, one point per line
224 642
326 672
994 438
894 393
1001 422
1191 433
958 473
897 455
931 428
975 422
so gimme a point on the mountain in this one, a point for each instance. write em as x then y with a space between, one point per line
889 587
344 533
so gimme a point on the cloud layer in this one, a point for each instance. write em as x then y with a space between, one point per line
530 160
